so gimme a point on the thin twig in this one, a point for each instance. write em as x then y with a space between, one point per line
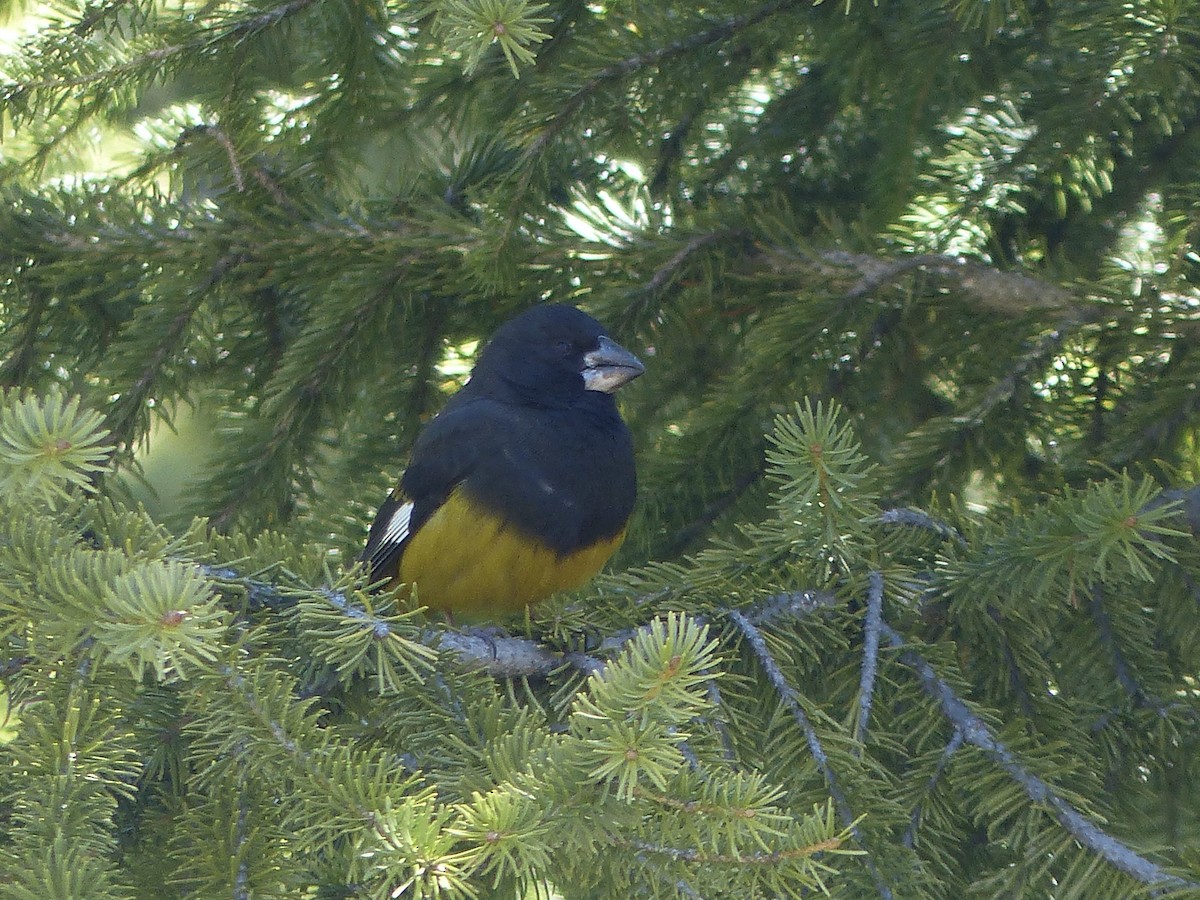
665 273
570 106
791 700
914 821
866 685
693 855
915 518
719 725
223 139
1108 639
241 890
123 418
204 40
1016 678
1140 697
683 538
671 145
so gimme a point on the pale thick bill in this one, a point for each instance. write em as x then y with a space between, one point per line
609 366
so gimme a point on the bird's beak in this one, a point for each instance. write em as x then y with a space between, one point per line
609 366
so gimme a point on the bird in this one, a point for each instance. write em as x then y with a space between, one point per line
523 485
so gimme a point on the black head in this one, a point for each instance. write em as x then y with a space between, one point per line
553 355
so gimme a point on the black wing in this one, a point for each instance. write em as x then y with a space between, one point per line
444 455
389 533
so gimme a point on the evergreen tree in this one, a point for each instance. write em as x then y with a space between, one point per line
909 607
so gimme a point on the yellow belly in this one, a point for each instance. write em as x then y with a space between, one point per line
472 565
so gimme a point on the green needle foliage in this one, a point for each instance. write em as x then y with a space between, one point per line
909 604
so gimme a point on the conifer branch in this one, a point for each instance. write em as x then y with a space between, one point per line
520 657
122 420
665 274
1046 346
791 605
508 657
27 325
977 733
1141 698
791 700
569 108
157 55
671 149
222 138
1016 678
722 729
421 396
298 407
1009 292
866 686
98 14
720 32
241 889
500 655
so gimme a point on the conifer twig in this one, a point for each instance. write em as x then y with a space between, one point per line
914 822
866 687
694 855
717 33
1109 640
203 40
1016 678
793 604
1140 697
507 657
977 733
671 147
714 697
665 274
571 105
791 700
123 416
916 518
241 890
689 532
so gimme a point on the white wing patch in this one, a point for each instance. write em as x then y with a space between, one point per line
396 532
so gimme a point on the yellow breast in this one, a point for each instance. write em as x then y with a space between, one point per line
473 565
